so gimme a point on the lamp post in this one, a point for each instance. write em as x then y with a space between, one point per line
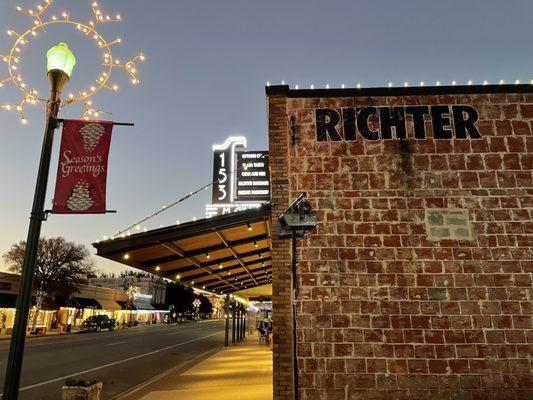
60 64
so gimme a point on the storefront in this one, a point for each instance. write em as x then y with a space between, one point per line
42 321
417 282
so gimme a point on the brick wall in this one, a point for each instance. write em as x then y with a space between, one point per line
385 310
280 253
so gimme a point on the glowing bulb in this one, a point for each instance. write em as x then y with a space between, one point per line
312 86
24 121
390 84
438 83
501 82
405 84
343 86
178 277
10 32
422 83
517 82
454 83
485 83
470 83
158 268
327 86
126 256
207 255
358 86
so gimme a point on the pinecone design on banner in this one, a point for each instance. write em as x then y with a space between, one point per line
80 199
91 133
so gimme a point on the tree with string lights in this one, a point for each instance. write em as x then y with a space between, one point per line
61 268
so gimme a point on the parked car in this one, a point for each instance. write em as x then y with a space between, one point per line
99 322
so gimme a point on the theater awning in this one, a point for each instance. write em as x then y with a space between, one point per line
222 254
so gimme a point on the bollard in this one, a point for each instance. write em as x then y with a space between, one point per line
244 326
226 326
233 325
81 390
238 324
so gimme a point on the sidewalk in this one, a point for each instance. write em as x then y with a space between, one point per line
239 372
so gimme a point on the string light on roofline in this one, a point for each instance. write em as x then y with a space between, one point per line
40 21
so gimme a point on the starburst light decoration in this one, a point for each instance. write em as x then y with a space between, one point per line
41 20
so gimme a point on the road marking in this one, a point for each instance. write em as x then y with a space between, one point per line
115 343
117 362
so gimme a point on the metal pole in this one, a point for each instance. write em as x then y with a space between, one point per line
294 317
233 311
244 325
238 323
226 325
18 336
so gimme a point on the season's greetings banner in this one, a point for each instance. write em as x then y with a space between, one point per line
82 168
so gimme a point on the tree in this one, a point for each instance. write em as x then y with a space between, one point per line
61 268
206 307
179 297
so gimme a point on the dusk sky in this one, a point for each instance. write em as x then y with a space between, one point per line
207 63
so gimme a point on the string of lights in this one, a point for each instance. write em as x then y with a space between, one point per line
109 63
421 83
137 226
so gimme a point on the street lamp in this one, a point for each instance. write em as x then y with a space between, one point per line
60 64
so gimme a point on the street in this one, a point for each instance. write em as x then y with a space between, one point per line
120 359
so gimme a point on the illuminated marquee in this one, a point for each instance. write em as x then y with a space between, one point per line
241 178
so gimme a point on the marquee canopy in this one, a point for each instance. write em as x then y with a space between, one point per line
222 254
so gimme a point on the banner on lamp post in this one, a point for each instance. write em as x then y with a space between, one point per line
82 168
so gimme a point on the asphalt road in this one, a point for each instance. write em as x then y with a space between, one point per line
121 359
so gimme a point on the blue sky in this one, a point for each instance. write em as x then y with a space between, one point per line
203 80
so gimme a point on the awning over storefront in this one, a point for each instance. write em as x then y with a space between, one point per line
141 305
8 300
83 302
222 254
109 304
124 305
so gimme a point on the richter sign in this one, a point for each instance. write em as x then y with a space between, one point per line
374 123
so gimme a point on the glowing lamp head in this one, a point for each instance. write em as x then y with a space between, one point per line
61 58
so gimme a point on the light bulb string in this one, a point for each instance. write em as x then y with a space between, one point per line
178 201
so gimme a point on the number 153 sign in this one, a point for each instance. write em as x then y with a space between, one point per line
223 169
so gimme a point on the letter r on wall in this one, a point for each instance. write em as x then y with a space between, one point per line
326 122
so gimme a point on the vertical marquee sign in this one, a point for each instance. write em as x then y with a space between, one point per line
223 166
82 168
241 178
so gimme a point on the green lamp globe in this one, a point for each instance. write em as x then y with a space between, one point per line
61 58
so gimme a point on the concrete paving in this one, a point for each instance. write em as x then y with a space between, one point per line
239 372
